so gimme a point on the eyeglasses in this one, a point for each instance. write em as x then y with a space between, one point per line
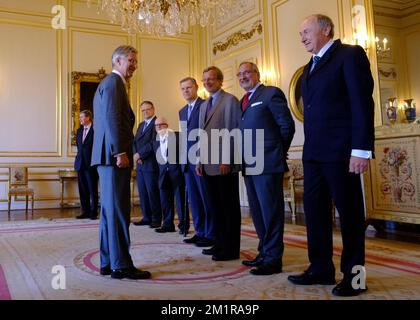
160 124
244 73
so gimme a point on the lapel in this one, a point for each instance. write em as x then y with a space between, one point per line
254 97
325 58
214 107
89 135
148 127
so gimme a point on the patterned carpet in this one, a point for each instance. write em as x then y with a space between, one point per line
29 250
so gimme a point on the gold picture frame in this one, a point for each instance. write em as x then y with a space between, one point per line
83 87
295 94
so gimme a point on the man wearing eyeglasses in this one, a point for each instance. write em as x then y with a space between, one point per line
265 108
221 114
171 180
147 170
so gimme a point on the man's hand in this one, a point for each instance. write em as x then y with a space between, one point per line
136 157
122 161
358 165
224 169
199 170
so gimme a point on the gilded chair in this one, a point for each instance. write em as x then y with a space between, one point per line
293 184
18 186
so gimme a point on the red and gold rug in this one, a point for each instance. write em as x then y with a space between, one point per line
30 250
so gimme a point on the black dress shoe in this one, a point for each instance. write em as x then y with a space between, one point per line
204 242
130 273
154 225
309 278
222 257
141 223
210 251
163 230
93 217
83 216
193 239
105 271
182 232
253 263
266 270
345 289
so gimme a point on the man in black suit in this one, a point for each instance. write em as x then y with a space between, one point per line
147 170
196 185
171 180
337 89
112 153
87 176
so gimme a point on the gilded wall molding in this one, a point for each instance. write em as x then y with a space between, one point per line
390 73
237 37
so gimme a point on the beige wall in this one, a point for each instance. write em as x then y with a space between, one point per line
36 62
277 49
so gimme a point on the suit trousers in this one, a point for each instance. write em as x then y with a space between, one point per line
265 196
114 236
200 204
168 193
147 183
224 196
324 182
88 191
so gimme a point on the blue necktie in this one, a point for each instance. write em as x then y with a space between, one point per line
209 106
145 126
190 107
315 60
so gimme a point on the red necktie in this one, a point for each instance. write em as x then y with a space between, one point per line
245 100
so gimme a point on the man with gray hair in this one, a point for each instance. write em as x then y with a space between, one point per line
113 155
337 87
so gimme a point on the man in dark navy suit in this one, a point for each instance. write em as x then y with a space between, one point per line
171 179
265 112
196 185
337 89
147 170
87 176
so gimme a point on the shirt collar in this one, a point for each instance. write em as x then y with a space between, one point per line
88 126
121 76
193 103
251 92
324 49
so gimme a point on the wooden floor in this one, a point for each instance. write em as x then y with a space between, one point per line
389 230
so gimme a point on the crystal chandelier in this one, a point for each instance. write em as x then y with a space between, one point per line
162 17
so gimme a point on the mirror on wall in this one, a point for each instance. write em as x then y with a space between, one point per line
83 86
397 32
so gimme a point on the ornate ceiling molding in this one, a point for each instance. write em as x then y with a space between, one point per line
237 37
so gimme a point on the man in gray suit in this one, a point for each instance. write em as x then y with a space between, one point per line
219 115
113 155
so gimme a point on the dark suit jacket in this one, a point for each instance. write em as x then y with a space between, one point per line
338 104
84 150
192 124
143 144
267 110
114 122
171 169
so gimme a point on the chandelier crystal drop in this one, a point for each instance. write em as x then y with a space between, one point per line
162 17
